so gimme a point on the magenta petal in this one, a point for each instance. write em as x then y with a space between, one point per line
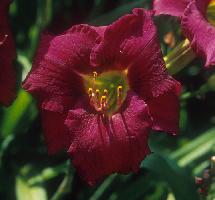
170 7
8 74
165 111
72 49
7 55
56 133
147 73
55 78
100 30
101 146
108 52
199 32
54 85
54 74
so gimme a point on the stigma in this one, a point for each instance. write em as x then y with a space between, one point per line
106 91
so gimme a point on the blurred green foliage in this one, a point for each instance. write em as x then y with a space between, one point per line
26 170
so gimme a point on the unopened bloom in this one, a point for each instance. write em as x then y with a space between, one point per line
197 22
110 87
7 55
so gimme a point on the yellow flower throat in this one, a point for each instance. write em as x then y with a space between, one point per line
106 91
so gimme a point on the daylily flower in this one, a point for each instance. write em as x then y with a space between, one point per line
197 22
110 87
7 54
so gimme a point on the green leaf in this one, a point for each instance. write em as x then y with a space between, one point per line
211 193
196 148
26 192
118 12
19 114
178 178
136 189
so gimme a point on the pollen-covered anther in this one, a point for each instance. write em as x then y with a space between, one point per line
90 92
97 94
4 39
119 95
95 74
100 104
103 103
105 92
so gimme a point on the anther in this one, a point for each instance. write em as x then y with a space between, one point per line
95 74
103 102
90 92
119 95
105 92
213 165
97 93
119 89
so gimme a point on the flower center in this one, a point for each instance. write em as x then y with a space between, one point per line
107 91
211 12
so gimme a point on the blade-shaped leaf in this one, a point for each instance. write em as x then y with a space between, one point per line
179 180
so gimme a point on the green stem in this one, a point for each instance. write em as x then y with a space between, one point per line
64 187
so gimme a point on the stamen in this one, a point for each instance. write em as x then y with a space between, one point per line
90 92
97 93
103 102
95 74
119 95
97 97
105 92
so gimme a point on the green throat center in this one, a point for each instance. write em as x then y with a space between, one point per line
106 91
211 12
